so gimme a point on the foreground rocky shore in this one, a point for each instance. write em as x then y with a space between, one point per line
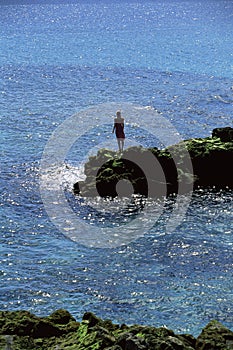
21 330
199 162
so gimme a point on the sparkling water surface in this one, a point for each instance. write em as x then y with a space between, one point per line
57 59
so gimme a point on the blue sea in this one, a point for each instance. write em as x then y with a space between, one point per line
62 59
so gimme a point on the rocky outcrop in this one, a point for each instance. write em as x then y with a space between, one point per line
224 134
21 330
199 162
215 336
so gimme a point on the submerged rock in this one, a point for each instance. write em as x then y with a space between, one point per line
93 333
199 162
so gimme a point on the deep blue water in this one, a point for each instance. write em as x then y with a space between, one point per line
59 59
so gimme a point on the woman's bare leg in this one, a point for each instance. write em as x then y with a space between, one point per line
119 144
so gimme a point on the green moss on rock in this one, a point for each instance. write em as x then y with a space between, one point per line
198 162
93 333
215 336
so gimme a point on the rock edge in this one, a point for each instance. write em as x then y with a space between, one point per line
21 330
191 164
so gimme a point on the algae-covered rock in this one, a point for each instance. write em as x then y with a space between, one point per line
225 134
23 323
198 162
157 338
211 160
215 337
151 173
61 316
23 330
93 333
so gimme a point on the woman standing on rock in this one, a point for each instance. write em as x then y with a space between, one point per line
119 130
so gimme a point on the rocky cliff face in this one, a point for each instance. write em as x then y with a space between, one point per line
199 162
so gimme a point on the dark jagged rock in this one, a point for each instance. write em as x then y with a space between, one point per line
199 162
60 317
92 320
215 336
23 323
225 134
93 333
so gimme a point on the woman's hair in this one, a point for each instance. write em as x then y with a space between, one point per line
118 114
